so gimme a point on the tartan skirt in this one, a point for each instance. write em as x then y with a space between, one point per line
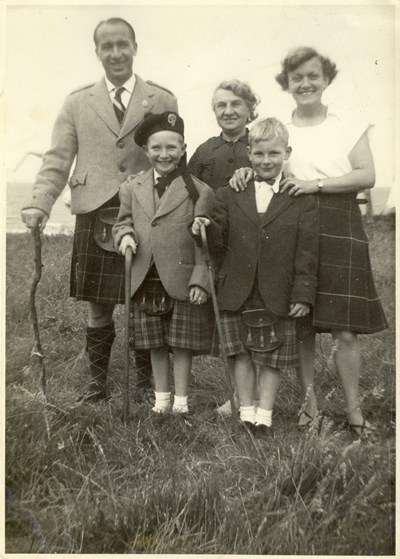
234 333
346 294
187 326
96 275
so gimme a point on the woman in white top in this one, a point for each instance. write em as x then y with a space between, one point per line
332 160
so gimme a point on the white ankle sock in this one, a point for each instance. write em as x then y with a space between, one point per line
247 413
163 402
263 417
180 404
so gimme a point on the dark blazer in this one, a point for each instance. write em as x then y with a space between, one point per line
105 152
163 234
278 249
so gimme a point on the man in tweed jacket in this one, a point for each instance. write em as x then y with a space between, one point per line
100 138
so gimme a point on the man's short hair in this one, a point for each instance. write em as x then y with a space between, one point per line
268 129
114 21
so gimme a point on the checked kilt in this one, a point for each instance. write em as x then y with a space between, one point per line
96 275
187 326
346 295
234 333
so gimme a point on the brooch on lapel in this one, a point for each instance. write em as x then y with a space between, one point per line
145 104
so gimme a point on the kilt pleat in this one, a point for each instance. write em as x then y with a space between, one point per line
96 275
346 295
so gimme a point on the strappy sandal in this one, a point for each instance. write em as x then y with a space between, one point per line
363 430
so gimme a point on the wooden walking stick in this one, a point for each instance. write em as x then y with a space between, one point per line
37 350
217 318
128 271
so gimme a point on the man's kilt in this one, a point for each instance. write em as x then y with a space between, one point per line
96 275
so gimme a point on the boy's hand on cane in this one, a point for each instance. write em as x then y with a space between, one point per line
197 223
127 241
197 295
297 310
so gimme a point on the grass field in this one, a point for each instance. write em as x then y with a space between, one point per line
80 481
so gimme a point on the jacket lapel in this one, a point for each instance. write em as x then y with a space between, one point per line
175 194
278 204
246 201
101 103
145 192
141 102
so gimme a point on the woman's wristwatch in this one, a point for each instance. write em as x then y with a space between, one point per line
320 184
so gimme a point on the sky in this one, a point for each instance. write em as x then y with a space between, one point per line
190 49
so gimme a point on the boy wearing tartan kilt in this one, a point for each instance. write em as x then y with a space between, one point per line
268 275
169 276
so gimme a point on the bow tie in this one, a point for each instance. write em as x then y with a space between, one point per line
257 178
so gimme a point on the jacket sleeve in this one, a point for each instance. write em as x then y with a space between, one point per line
124 223
307 249
54 172
204 207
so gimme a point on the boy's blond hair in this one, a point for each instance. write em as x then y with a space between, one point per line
268 129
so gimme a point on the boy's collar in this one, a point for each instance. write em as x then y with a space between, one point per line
275 185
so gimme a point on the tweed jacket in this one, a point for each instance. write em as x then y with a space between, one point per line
87 129
164 234
278 249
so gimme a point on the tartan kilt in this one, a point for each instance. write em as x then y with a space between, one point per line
234 333
96 275
187 326
346 294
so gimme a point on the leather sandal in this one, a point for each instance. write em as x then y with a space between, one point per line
362 430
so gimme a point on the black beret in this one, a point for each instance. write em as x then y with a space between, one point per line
152 123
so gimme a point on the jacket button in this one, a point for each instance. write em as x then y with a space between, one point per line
120 144
154 223
307 283
230 159
122 168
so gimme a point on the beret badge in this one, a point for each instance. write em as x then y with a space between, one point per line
172 119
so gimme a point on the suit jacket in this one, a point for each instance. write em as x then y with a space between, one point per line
164 234
278 249
87 129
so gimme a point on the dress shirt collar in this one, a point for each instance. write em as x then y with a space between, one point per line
128 85
275 186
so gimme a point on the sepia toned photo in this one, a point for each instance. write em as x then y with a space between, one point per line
199 262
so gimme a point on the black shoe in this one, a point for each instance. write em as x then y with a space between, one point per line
263 432
95 396
247 426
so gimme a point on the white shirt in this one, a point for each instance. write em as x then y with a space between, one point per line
322 150
126 94
264 193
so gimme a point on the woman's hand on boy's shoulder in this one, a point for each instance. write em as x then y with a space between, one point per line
240 178
197 295
297 187
298 310
127 241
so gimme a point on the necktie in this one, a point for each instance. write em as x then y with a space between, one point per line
118 105
161 185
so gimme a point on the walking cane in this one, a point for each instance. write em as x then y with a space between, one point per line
37 350
217 317
128 271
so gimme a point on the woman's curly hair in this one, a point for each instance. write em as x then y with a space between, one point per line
297 57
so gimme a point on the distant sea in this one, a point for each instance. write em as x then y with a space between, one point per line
61 220
19 194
